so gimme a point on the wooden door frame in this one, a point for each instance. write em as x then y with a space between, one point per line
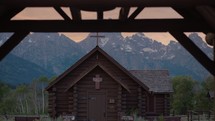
97 92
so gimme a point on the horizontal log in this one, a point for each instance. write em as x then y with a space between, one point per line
110 114
52 105
82 115
52 98
83 111
82 101
51 94
60 99
147 25
83 118
102 84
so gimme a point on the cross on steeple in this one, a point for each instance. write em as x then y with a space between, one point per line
97 36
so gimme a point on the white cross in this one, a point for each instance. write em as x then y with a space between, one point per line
97 81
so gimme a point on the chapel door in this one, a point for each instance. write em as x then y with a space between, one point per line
96 107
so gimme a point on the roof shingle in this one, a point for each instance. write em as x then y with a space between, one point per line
158 81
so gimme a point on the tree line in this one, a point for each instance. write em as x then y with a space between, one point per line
33 100
24 98
192 95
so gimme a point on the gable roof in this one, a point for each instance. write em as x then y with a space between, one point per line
97 48
158 81
104 69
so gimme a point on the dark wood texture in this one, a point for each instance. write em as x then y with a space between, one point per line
208 13
76 13
76 94
136 13
62 13
8 13
123 14
97 106
115 3
144 25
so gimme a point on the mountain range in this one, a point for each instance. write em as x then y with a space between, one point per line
50 54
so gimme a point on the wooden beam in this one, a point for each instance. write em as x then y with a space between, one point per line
100 15
197 53
115 3
136 13
192 14
62 13
123 14
8 13
12 42
187 13
76 13
208 13
145 25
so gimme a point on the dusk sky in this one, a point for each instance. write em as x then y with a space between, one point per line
51 14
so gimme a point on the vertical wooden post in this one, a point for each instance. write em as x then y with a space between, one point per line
144 103
165 105
119 102
214 67
53 103
70 101
75 101
140 101
210 39
124 101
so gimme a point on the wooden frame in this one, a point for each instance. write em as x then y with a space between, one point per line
98 92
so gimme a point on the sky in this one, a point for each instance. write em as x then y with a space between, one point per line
51 14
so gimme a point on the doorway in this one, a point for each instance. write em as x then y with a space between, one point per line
96 107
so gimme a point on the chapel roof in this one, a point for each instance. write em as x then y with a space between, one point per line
158 81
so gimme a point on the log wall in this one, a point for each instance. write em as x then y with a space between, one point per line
74 100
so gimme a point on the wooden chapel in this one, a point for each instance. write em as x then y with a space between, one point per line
98 88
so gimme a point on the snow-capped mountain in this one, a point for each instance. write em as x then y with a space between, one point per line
52 51
141 52
55 53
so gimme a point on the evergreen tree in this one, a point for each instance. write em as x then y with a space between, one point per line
183 95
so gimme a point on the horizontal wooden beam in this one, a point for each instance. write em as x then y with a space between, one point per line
116 3
208 13
146 25
11 43
194 50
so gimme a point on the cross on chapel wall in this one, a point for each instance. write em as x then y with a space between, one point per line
97 81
